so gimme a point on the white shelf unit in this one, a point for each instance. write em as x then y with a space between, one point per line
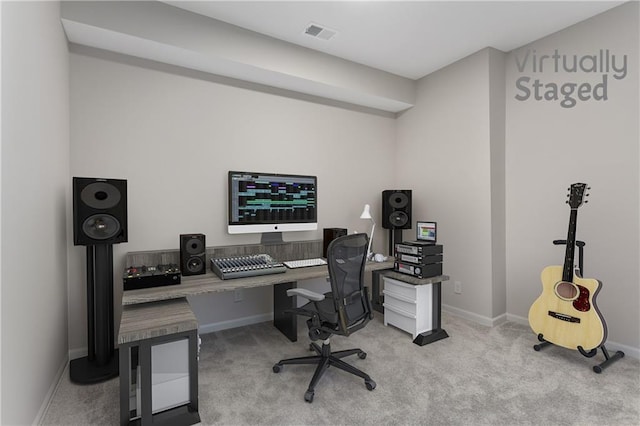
407 306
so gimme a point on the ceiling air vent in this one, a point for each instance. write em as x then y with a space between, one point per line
318 31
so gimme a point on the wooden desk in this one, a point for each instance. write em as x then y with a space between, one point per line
211 283
160 315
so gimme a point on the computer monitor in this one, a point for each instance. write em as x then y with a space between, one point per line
271 202
426 231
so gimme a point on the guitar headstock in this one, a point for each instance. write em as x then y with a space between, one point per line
576 195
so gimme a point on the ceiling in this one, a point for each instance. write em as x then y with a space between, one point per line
407 38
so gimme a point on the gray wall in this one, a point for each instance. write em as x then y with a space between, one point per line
492 170
549 147
497 107
175 135
449 150
35 186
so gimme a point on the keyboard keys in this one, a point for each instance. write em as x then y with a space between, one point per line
304 263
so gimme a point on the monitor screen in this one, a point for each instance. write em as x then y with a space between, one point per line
426 231
270 202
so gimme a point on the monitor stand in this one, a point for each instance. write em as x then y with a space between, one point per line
271 238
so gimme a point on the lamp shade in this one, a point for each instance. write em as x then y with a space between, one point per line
366 213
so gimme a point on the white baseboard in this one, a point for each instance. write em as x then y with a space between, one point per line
518 319
238 322
471 316
612 347
78 353
42 412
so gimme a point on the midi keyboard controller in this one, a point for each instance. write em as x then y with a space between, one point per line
246 266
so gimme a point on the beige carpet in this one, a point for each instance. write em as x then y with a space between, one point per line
477 376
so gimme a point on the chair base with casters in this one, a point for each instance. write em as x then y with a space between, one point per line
324 359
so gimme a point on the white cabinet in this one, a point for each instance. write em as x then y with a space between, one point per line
408 307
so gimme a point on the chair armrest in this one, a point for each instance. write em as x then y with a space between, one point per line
307 294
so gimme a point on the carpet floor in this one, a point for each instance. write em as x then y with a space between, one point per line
478 376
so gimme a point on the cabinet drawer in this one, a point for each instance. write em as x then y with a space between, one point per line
395 300
403 320
408 291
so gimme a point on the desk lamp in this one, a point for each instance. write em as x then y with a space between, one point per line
366 214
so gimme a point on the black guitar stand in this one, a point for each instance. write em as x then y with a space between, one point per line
608 359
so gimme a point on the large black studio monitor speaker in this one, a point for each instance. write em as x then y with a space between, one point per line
192 254
99 221
396 209
99 211
330 234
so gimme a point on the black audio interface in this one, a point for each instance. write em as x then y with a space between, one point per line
137 277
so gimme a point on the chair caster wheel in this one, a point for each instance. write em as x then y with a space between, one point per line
362 355
277 368
371 385
308 396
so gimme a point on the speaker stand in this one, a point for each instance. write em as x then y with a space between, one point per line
395 237
86 372
101 362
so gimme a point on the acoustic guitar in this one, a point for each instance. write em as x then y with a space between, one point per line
566 314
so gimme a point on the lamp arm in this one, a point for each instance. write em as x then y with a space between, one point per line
373 227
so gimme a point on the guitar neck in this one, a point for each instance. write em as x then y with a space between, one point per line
567 271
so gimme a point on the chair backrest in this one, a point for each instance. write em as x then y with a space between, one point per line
346 258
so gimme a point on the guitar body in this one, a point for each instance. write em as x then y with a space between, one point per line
567 319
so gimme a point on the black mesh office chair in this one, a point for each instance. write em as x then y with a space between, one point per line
342 311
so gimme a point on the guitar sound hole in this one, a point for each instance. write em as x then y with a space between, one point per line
566 291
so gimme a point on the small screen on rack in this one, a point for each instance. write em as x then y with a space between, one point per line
426 231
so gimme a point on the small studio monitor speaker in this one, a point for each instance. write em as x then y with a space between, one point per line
396 209
329 235
99 211
192 254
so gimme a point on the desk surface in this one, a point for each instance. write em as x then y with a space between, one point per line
211 283
156 319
